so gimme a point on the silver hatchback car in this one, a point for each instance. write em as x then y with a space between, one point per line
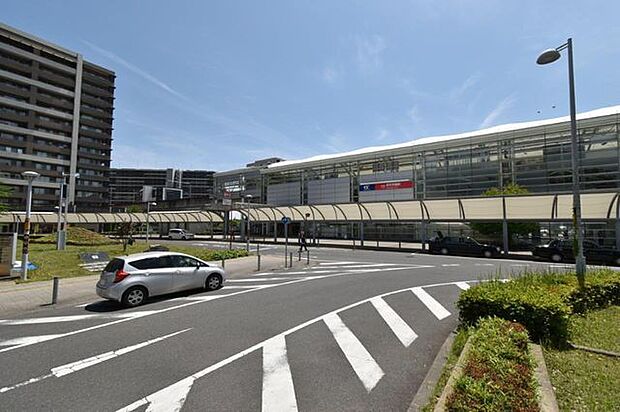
131 279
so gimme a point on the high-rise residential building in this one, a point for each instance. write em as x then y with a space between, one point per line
130 186
55 117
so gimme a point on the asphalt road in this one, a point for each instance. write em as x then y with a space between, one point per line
357 330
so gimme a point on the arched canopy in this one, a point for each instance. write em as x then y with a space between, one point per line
199 216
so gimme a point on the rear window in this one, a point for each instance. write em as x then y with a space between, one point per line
114 265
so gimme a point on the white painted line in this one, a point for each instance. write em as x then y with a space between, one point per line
463 285
403 332
360 266
197 300
28 340
173 397
438 310
450 265
278 388
338 263
256 280
242 286
361 361
484 264
50 319
70 368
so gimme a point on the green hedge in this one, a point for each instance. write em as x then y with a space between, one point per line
543 302
498 371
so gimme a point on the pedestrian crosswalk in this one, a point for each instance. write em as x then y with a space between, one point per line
279 392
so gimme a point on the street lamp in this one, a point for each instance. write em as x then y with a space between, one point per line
61 231
29 176
148 213
546 57
247 228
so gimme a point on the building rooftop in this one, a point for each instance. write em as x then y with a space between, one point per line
510 127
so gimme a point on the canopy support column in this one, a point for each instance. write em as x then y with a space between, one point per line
361 233
618 223
505 226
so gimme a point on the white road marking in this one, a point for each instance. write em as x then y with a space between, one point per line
463 285
484 264
370 265
256 280
192 301
70 368
403 332
28 340
278 388
75 318
162 399
338 263
360 360
449 265
438 310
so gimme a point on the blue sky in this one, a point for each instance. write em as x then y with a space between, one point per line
215 85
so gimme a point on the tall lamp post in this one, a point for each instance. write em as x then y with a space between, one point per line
29 176
247 198
546 57
148 214
61 239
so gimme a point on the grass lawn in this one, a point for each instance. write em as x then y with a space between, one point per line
585 381
65 263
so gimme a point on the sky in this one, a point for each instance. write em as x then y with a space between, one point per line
217 84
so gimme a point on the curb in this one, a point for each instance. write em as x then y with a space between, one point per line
425 391
546 395
454 375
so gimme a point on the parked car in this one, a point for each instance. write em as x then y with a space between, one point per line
132 279
448 245
560 250
180 234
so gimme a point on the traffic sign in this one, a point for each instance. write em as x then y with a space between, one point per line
286 220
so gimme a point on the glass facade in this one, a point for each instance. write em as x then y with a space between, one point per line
537 158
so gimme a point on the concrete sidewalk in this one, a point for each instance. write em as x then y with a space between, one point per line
19 298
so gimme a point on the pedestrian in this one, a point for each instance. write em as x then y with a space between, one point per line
302 241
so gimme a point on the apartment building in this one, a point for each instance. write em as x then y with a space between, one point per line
56 113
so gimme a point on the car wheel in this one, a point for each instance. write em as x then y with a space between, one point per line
444 251
134 296
487 254
184 238
213 282
556 257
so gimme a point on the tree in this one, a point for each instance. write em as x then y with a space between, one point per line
514 228
125 231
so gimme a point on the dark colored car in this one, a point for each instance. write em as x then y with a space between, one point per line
448 245
560 250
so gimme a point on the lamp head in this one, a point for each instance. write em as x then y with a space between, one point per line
548 56
30 175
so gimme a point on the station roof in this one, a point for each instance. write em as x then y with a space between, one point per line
506 128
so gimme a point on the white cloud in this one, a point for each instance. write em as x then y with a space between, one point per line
495 114
414 114
330 74
135 69
369 52
459 92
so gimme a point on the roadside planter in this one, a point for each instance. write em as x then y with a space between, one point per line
497 371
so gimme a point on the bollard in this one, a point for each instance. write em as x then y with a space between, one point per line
257 263
55 290
299 256
222 263
291 259
307 257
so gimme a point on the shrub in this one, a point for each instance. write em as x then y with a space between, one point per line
77 236
543 303
498 371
